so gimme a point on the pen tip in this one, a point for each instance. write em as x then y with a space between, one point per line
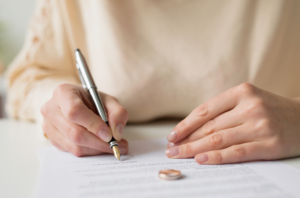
116 152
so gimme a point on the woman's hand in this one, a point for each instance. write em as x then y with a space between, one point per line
71 124
244 123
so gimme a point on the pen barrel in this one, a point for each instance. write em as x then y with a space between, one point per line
84 72
98 103
89 84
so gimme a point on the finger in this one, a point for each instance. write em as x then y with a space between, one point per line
215 141
79 135
76 133
57 145
55 136
117 116
205 112
238 153
77 150
224 121
70 101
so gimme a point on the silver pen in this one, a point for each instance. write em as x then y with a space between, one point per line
89 84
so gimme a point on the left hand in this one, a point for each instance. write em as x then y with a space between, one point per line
244 123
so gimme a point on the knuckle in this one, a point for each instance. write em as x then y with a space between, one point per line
60 89
276 145
183 125
259 103
246 88
92 126
73 110
77 151
263 126
216 140
239 152
202 110
187 150
218 158
122 112
209 127
75 135
188 139
250 109
258 106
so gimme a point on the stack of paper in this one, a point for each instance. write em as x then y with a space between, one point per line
64 176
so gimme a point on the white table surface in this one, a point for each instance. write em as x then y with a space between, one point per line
19 142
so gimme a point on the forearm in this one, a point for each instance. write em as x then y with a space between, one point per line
26 95
45 61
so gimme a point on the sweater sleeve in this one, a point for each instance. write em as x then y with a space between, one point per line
45 61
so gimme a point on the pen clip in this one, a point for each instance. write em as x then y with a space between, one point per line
80 76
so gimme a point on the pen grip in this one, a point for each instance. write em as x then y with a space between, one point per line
99 106
112 139
98 103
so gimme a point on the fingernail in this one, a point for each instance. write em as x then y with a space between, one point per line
172 136
123 150
171 145
202 158
104 135
171 152
119 131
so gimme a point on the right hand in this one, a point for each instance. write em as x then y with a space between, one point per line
71 124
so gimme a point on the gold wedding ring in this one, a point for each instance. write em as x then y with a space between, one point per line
169 174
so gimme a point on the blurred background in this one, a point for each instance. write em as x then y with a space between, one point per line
15 17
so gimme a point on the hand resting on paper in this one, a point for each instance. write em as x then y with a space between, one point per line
244 123
71 124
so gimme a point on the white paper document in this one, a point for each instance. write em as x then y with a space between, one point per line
63 175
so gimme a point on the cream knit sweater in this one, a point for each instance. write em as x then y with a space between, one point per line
158 57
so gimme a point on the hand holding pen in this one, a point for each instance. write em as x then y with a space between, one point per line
89 84
71 122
